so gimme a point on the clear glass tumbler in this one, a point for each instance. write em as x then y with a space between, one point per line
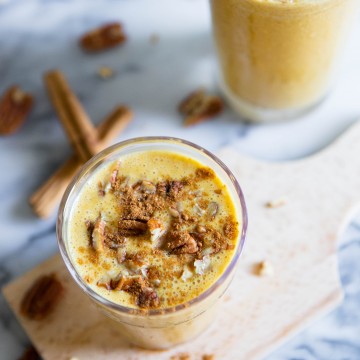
278 58
156 328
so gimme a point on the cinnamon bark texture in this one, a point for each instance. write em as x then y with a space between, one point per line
46 197
77 125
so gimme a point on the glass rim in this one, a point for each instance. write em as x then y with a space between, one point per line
148 312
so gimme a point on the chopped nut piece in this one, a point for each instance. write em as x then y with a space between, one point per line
98 235
212 210
199 106
136 258
121 256
101 190
105 72
276 203
186 274
148 298
202 265
174 213
15 106
145 186
170 189
132 227
103 38
181 242
41 298
200 229
156 229
206 251
114 176
198 210
208 357
114 240
264 268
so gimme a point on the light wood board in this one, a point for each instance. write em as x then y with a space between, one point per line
258 313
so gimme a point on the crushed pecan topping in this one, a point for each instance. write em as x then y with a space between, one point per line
15 106
114 241
98 235
145 186
101 189
161 232
132 227
103 38
146 297
181 242
199 106
170 189
41 298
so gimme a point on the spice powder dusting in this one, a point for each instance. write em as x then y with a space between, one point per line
154 229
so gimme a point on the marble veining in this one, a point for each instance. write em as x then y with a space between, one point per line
37 35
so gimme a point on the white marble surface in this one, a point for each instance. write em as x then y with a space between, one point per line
39 35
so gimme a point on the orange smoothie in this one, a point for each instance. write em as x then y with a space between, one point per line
278 54
151 230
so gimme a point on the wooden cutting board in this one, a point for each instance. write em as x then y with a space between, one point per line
258 313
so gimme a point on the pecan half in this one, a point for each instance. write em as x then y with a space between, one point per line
181 242
103 38
41 298
170 189
145 186
15 106
114 241
98 235
148 298
132 227
199 106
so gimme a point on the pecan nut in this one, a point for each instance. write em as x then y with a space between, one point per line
15 106
103 38
41 298
181 242
199 106
132 227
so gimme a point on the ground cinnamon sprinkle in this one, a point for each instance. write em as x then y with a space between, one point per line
163 233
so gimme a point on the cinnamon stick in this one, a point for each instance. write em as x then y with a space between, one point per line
47 196
77 125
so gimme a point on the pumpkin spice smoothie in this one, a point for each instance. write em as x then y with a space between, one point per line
150 232
278 57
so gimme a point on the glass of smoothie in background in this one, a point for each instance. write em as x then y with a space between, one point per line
278 58
176 305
